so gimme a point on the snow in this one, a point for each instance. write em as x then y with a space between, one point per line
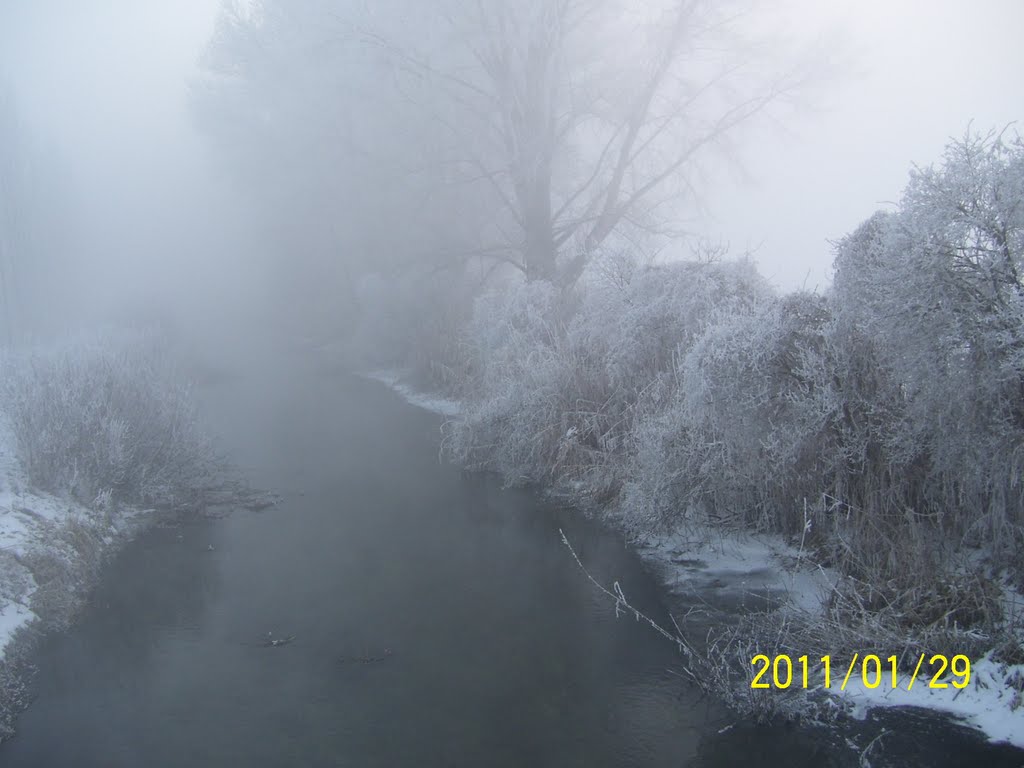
988 703
22 515
13 615
434 403
13 528
28 520
763 564
755 564
19 527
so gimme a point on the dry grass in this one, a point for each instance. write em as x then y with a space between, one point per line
107 419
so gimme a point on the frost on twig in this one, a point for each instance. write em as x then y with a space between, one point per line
622 605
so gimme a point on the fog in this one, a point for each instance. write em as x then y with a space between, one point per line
102 88
745 279
105 88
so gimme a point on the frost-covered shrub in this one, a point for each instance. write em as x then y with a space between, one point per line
927 396
516 418
108 415
562 377
933 294
510 324
743 437
875 499
643 325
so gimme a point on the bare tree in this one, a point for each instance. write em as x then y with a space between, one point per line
583 118
522 134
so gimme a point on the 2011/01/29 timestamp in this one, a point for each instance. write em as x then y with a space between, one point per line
781 672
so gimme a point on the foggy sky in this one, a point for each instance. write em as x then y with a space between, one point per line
918 71
105 82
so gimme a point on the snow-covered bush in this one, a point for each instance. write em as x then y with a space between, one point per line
743 438
644 324
515 421
563 377
882 424
108 415
932 298
925 398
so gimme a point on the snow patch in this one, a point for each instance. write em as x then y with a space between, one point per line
28 523
990 702
13 616
756 564
763 564
21 517
396 381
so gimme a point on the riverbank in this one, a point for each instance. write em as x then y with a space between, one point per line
51 552
752 571
99 437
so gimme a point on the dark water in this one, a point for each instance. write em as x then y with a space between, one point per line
502 654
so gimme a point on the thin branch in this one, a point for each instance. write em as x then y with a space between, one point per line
622 605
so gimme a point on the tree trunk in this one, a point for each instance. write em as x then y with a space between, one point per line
538 235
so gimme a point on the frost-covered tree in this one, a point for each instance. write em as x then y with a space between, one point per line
930 299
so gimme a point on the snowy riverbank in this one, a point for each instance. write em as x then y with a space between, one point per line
50 553
738 569
741 567
35 526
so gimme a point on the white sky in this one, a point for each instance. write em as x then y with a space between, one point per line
106 81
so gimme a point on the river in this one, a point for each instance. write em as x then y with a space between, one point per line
489 646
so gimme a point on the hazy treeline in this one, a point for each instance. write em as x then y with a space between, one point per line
102 415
